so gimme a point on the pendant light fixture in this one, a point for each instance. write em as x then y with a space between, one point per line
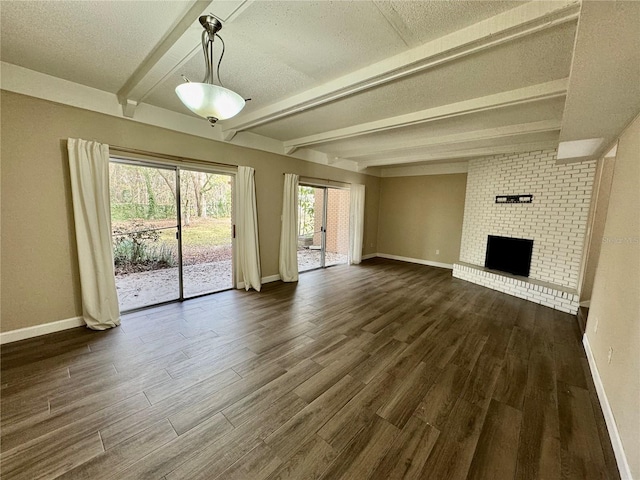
213 102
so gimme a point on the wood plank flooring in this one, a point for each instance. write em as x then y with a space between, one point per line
384 371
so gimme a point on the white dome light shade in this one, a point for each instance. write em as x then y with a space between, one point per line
209 100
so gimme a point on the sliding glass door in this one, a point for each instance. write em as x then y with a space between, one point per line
144 225
207 230
310 227
323 227
172 232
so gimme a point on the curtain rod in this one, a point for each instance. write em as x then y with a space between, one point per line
165 156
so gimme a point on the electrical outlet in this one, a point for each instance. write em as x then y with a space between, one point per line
610 355
595 325
437 252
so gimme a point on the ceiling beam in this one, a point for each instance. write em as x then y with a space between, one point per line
289 150
177 47
520 96
495 133
513 24
458 154
228 135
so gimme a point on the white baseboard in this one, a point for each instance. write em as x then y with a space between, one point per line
270 278
612 427
369 255
415 260
37 330
263 280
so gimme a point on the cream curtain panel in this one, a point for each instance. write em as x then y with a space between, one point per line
289 231
247 229
356 223
89 167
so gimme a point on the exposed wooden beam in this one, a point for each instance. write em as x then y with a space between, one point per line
534 93
288 150
513 24
174 51
457 154
495 133
128 107
228 135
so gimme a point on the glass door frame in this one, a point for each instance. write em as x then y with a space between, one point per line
171 166
234 264
323 228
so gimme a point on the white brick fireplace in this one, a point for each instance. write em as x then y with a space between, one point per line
555 220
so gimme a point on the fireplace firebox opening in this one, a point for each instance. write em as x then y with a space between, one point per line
510 255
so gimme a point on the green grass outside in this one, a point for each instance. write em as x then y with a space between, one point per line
202 232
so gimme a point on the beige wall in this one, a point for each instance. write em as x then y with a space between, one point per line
615 302
419 215
597 218
40 282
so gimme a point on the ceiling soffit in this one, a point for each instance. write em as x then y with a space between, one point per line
604 89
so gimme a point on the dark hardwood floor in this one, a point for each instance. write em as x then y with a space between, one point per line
385 370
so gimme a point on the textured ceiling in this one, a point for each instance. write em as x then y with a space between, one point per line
322 40
368 81
533 60
420 22
99 44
